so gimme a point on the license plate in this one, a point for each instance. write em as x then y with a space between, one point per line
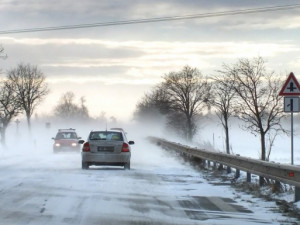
105 149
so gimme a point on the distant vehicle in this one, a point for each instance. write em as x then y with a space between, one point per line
106 148
66 140
118 128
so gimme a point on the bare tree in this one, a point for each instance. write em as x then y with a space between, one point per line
259 104
9 107
271 137
30 87
83 110
152 105
2 54
67 109
224 94
102 117
188 93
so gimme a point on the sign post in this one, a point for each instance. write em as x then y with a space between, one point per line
291 93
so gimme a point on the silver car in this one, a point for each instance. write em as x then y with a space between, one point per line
106 148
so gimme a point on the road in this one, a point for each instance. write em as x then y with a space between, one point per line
38 187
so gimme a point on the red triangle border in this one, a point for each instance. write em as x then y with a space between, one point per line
291 77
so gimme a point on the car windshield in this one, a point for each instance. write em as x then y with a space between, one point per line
66 135
106 135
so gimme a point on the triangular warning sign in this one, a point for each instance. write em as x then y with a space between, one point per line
291 87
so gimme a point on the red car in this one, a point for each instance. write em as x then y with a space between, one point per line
66 140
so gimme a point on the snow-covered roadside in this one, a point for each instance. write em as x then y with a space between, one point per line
255 204
246 144
210 136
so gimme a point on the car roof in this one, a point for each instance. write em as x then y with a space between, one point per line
66 130
116 131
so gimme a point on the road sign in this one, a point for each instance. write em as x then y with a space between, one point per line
291 104
291 87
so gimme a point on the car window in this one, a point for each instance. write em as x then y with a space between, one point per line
106 135
66 135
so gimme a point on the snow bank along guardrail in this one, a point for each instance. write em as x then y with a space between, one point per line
279 172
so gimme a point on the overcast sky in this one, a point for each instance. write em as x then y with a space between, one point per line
113 66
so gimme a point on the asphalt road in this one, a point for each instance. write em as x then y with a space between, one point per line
43 188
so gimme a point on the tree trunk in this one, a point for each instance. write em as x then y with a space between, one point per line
227 137
28 121
227 141
189 131
263 145
263 154
3 135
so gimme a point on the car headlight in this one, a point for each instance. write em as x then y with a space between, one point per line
74 144
57 145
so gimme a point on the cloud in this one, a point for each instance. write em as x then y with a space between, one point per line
137 61
16 14
158 47
254 23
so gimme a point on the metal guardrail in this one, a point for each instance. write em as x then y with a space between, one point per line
280 172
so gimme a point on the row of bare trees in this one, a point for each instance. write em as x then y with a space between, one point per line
181 97
251 93
245 90
68 109
21 90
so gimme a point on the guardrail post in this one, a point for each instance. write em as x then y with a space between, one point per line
277 186
297 194
228 169
204 163
215 165
220 167
248 177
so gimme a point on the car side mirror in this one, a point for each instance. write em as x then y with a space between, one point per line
131 142
80 141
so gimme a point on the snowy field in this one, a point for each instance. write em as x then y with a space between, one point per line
246 144
39 187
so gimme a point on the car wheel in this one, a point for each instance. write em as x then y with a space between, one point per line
84 166
127 166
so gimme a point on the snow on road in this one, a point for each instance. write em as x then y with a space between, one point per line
38 187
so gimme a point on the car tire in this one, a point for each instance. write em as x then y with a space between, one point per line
84 166
127 166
